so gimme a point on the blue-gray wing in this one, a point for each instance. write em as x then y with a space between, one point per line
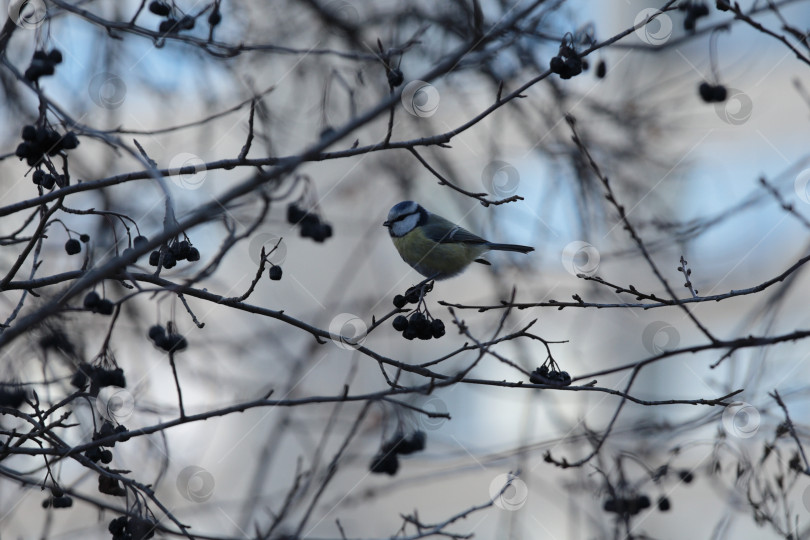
443 231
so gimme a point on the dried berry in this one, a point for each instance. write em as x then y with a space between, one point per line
72 246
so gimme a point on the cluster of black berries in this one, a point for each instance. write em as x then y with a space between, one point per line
43 63
694 11
96 453
106 430
177 251
12 396
386 460
58 499
73 247
98 377
712 93
411 296
48 180
131 528
544 375
170 341
418 326
567 63
170 25
96 304
110 486
311 224
41 141
627 506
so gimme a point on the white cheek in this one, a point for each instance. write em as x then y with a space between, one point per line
401 228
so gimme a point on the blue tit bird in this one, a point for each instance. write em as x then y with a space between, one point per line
435 247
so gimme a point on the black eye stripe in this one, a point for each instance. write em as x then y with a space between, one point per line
403 216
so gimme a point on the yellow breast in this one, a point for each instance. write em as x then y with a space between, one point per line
434 260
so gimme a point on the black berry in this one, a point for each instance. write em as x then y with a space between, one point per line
173 342
215 17
686 476
105 307
62 502
29 133
400 323
159 8
275 273
186 22
169 260
385 463
180 250
193 255
156 332
168 26
91 300
295 214
110 486
73 246
55 56
414 443
69 141
48 181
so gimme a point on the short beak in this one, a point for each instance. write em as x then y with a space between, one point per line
386 223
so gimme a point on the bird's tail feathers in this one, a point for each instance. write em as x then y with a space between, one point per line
510 247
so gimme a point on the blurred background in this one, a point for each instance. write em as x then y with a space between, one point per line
686 171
